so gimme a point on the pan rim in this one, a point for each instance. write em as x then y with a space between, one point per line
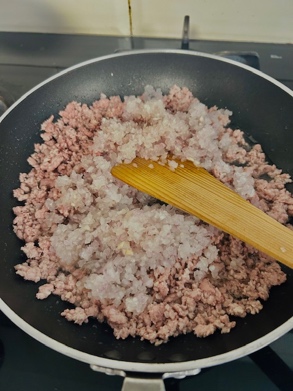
136 366
131 366
147 51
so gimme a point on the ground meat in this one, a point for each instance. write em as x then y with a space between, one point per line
117 255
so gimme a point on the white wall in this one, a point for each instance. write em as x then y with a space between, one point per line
236 20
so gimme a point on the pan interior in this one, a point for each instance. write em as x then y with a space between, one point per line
260 108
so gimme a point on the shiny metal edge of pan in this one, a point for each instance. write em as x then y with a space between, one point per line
133 52
146 367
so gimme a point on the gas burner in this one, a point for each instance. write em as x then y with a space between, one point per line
247 58
250 58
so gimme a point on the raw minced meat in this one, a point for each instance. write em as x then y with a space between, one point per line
149 270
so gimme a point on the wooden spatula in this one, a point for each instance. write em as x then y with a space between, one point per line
197 192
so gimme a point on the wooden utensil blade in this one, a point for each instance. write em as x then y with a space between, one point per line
196 191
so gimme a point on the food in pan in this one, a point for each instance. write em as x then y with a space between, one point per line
120 256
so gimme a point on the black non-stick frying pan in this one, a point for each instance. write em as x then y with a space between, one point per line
262 107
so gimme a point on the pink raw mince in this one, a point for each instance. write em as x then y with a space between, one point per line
149 270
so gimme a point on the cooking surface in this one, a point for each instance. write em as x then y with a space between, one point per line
26 60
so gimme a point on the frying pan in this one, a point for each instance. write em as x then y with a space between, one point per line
261 106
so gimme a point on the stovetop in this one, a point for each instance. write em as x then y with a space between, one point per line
26 59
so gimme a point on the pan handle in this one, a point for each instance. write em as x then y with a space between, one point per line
132 383
135 384
152 383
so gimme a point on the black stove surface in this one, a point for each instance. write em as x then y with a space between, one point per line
25 364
